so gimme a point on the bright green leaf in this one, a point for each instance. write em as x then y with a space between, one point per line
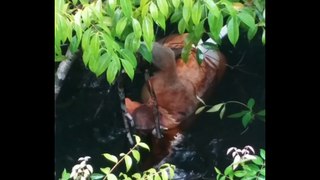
137 176
144 145
104 28
65 175
121 25
228 170
153 10
222 178
199 110
258 160
126 7
111 177
145 9
198 31
112 4
222 111
86 39
96 176
129 56
263 171
128 68
240 173
215 24
86 57
233 30
105 170
137 138
157 177
84 1
110 157
211 5
196 13
73 44
146 54
181 26
176 16
136 155
263 153
246 18
131 42
161 21
176 3
252 32
186 13
253 168
216 107
246 119
237 115
200 56
163 7
103 63
187 4
217 170
148 32
128 162
164 175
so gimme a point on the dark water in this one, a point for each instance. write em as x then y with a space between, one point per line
88 117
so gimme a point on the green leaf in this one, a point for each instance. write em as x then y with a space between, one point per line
111 177
262 113
246 119
79 33
252 32
251 103
103 63
163 7
228 171
74 2
136 175
258 160
105 170
136 155
198 31
65 175
222 111
128 68
263 171
215 25
176 3
128 162
199 56
86 39
222 178
144 10
263 153
129 56
148 32
217 170
96 176
253 167
164 175
86 57
121 25
112 4
110 157
181 26
146 54
196 13
240 173
136 28
246 18
161 21
84 1
132 43
153 10
200 109
216 107
126 7
211 5
233 30
176 16
73 44
137 138
187 3
186 13
157 177
237 115
144 145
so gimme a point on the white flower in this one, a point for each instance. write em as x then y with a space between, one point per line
83 170
241 155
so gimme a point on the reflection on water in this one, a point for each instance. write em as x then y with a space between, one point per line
88 118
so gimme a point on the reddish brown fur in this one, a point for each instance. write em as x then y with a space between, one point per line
176 86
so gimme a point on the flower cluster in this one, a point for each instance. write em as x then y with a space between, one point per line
83 170
241 155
